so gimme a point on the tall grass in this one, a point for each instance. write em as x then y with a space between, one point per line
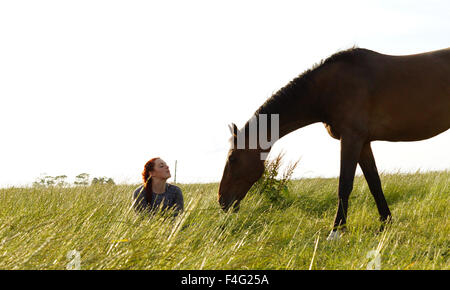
282 224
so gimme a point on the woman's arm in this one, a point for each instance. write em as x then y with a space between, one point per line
179 202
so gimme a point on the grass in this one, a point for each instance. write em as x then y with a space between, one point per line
281 225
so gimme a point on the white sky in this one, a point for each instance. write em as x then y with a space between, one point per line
103 86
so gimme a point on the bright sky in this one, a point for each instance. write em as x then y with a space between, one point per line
103 86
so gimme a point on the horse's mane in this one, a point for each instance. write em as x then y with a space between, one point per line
303 81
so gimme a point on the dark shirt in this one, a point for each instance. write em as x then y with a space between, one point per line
171 198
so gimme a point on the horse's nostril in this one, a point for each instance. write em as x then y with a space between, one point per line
224 205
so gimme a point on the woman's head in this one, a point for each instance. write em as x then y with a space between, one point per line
156 168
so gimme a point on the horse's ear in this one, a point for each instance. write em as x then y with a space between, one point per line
233 129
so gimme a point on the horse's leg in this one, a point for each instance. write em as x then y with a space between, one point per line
369 168
351 146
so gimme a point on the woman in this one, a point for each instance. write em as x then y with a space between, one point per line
155 192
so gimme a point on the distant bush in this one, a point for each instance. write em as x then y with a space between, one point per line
81 179
102 180
46 181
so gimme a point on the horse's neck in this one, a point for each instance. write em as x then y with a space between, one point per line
293 113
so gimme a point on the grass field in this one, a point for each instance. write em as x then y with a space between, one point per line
285 229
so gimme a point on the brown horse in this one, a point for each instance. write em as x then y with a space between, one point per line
360 96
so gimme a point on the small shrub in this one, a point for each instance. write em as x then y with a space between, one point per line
275 190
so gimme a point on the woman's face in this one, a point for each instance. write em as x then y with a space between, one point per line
161 169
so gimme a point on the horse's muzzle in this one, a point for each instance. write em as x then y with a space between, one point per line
227 204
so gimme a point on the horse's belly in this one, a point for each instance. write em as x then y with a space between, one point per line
411 118
408 131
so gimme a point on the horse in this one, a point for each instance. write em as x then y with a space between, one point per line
360 96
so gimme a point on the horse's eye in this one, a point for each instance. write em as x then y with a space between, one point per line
232 158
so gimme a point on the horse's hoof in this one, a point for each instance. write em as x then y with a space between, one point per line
334 235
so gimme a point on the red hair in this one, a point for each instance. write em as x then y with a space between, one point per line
146 177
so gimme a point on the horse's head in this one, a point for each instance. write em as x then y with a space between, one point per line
242 169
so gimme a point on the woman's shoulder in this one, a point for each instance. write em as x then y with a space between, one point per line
174 188
138 190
